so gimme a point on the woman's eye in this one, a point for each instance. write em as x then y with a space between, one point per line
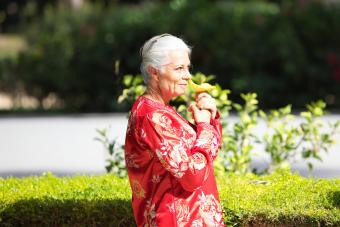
179 68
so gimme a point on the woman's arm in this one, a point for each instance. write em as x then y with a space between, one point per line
187 158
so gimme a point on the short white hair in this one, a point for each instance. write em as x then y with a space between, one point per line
155 52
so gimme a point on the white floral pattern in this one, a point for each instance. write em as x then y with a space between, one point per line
208 141
210 210
171 207
205 139
197 223
156 179
198 161
182 212
175 162
150 214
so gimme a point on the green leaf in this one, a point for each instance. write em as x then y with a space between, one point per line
98 139
102 132
310 166
127 79
286 110
263 114
237 106
306 154
111 148
137 80
306 115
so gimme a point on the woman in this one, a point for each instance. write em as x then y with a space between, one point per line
169 160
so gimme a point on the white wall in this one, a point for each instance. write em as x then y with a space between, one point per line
66 145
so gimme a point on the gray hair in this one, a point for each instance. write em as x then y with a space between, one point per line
155 52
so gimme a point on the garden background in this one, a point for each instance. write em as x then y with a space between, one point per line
62 68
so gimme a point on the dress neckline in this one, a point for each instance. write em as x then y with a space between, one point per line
155 103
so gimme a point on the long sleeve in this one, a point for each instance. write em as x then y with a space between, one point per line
186 158
216 123
208 140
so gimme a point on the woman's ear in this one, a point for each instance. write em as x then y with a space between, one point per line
153 72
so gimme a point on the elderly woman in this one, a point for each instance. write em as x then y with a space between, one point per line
169 160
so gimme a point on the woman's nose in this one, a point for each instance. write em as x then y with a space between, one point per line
187 75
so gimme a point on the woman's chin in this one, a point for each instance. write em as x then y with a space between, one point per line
179 93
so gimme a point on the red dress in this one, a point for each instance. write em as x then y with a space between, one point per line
169 163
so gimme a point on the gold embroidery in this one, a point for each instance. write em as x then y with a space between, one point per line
130 160
137 189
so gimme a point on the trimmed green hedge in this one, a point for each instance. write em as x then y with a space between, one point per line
279 199
54 201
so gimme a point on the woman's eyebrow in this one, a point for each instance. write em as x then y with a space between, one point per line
182 65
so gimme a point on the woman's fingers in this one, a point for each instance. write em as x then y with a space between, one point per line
202 95
206 102
192 108
199 115
204 98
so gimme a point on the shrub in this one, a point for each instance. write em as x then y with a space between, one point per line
116 160
279 199
78 201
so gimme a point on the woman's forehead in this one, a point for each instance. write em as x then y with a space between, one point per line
178 57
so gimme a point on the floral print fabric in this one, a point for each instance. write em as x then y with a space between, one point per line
170 167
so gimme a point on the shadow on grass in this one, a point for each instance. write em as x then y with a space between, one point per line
335 196
57 212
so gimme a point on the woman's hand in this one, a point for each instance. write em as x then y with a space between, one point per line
206 102
199 115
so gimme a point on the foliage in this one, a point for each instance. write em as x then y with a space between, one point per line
308 139
283 141
133 88
280 199
105 200
237 139
284 51
69 201
116 161
10 46
317 141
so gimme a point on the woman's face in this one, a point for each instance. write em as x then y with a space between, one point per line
174 77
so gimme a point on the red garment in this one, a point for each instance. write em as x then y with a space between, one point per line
169 163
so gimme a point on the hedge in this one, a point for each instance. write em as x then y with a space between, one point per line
280 199
286 52
65 201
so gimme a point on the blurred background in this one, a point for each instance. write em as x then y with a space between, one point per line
62 61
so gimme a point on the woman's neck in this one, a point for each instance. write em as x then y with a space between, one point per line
155 96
